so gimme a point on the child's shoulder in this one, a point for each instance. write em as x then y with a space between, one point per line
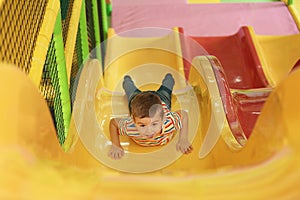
126 119
172 115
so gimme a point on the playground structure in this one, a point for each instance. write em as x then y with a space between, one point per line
226 162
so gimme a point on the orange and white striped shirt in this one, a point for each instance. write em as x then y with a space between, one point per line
172 123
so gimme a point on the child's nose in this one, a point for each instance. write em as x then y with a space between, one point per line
148 130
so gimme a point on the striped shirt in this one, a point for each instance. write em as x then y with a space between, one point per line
171 124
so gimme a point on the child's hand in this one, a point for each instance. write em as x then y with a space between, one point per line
184 146
116 152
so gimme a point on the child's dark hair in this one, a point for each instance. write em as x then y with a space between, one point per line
146 104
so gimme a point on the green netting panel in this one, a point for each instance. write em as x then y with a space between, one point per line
87 40
89 23
54 83
93 28
19 30
103 24
98 52
103 19
81 50
77 59
66 11
64 7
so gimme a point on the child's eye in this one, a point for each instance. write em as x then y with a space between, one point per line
154 124
142 125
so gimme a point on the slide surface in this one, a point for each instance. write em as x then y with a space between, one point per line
30 166
278 55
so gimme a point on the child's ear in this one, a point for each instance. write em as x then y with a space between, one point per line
133 118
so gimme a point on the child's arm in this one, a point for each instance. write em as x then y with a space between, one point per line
183 143
116 151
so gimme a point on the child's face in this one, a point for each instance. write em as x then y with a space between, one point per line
149 126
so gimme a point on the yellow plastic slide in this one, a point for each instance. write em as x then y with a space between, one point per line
34 166
278 54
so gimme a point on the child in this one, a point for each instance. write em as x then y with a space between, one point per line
151 123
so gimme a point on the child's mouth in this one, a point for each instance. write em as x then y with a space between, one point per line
150 136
